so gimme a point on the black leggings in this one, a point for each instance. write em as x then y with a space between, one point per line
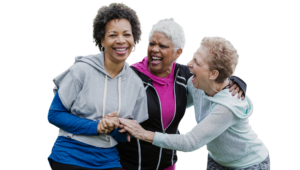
60 166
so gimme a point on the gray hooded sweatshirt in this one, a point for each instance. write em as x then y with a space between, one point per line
88 91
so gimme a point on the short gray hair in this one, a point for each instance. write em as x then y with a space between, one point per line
172 30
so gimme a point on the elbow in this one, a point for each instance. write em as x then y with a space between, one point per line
50 116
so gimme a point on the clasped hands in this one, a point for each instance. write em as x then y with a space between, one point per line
109 123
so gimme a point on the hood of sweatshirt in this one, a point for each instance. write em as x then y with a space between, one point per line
97 61
241 108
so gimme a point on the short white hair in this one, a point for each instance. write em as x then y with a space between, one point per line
172 30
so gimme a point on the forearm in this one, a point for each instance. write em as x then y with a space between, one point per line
72 123
148 136
207 130
59 116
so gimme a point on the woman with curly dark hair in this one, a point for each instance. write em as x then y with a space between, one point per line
95 86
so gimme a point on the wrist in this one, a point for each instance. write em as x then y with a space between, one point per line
148 136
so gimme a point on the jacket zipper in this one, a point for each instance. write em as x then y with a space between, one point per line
164 130
161 124
175 100
174 112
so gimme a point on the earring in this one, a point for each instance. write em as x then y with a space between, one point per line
133 49
102 49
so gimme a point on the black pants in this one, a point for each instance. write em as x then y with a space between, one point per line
60 166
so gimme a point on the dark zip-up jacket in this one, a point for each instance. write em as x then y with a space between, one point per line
140 155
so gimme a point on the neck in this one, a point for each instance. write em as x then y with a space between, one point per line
112 68
213 87
162 74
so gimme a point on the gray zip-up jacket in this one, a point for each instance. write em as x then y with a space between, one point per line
88 91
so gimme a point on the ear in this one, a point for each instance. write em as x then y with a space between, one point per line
213 75
178 53
102 42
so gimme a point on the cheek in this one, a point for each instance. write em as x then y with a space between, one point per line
149 50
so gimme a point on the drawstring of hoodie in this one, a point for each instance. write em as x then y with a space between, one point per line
104 99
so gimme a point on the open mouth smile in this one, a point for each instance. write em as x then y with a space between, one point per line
156 60
121 50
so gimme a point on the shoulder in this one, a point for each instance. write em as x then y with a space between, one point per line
80 70
133 77
184 70
218 108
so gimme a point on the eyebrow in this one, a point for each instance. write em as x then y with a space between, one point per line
116 31
159 43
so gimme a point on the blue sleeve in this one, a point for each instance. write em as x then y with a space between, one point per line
240 82
120 137
59 116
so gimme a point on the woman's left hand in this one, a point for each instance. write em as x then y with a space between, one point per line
136 130
236 89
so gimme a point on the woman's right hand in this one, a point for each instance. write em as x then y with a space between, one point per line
108 123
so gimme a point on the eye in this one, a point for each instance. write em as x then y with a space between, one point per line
127 35
112 35
196 62
163 46
151 44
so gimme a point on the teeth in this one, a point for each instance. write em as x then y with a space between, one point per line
156 58
120 49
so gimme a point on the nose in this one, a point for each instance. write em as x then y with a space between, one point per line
155 48
121 39
189 64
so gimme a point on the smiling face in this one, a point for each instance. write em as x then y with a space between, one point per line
199 67
161 55
118 40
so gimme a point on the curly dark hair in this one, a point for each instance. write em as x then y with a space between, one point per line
111 12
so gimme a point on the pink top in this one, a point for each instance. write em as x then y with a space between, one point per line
164 88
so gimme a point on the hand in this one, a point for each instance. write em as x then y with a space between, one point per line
122 130
136 130
113 117
236 89
108 123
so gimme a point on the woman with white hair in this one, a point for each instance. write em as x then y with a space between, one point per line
223 123
165 82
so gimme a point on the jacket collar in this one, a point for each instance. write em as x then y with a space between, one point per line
147 79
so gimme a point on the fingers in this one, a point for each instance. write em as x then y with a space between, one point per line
102 129
122 130
240 94
128 137
110 125
115 121
104 123
237 89
230 83
113 114
121 126
125 122
232 88
243 97
116 126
